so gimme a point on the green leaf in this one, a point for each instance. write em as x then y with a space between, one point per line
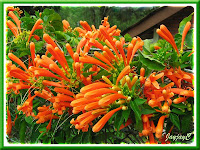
175 120
87 137
34 135
38 46
185 57
140 101
146 46
60 138
118 120
136 109
86 74
186 122
177 111
26 14
39 137
179 105
54 16
128 37
100 74
87 66
138 114
18 121
23 54
49 28
168 55
178 39
189 39
29 119
36 104
69 60
125 114
42 129
22 131
148 111
62 36
37 13
145 51
57 24
77 139
151 63
46 13
185 65
183 22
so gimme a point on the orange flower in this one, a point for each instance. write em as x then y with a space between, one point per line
110 99
125 71
9 123
152 80
64 91
159 127
94 86
91 60
100 124
183 92
165 34
83 101
17 60
98 92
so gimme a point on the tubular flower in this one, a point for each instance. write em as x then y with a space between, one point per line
165 34
159 127
45 114
100 124
27 107
9 123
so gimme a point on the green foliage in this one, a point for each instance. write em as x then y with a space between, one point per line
93 15
151 63
138 114
175 120
126 114
22 131
186 121
189 39
127 37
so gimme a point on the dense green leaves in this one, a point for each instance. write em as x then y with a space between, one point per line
22 131
126 114
29 119
140 101
151 63
180 105
177 111
186 122
119 120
